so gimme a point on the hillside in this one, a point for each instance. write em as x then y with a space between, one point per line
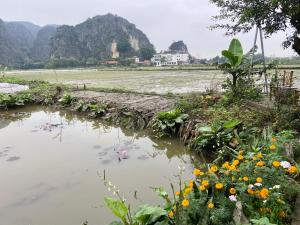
98 38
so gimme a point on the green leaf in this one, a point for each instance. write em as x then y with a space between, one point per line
236 48
231 124
230 57
149 214
117 207
205 129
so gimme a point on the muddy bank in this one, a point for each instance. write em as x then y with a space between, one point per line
146 104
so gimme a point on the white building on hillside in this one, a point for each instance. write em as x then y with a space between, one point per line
170 59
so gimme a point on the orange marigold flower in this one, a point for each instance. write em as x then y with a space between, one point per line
210 205
185 203
202 187
245 178
226 165
276 164
232 168
177 193
264 193
272 147
197 172
213 169
205 183
259 180
219 186
236 162
232 191
191 184
292 169
260 163
250 191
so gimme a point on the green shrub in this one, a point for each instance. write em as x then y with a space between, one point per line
168 123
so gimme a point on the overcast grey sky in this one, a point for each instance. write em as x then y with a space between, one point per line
163 21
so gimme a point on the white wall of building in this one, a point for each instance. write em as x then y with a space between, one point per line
170 59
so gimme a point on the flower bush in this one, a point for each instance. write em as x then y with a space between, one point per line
258 175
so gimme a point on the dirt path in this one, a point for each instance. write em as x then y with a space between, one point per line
146 104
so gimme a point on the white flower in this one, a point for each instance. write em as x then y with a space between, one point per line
251 186
232 198
285 164
276 186
264 201
258 184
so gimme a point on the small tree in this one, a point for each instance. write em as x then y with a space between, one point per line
271 15
146 53
241 85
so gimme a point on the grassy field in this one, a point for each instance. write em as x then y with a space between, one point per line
159 81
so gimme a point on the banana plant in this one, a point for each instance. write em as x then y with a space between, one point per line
234 59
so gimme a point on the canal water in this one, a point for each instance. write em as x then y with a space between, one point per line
52 165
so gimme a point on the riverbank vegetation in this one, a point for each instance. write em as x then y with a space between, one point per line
251 173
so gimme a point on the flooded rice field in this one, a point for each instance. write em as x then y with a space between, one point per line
50 163
161 82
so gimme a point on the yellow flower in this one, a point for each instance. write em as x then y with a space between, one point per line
185 203
292 169
213 169
191 184
250 191
232 191
259 180
240 157
210 205
219 186
276 164
171 214
245 178
259 155
205 183
232 179
241 152
197 172
188 190
254 158
202 187
236 162
226 165
232 168
177 193
272 147
264 193
260 163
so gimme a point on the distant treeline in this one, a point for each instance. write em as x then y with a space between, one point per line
257 59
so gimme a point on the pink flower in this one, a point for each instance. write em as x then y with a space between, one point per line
232 198
285 164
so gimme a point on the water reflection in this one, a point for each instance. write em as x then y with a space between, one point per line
49 161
